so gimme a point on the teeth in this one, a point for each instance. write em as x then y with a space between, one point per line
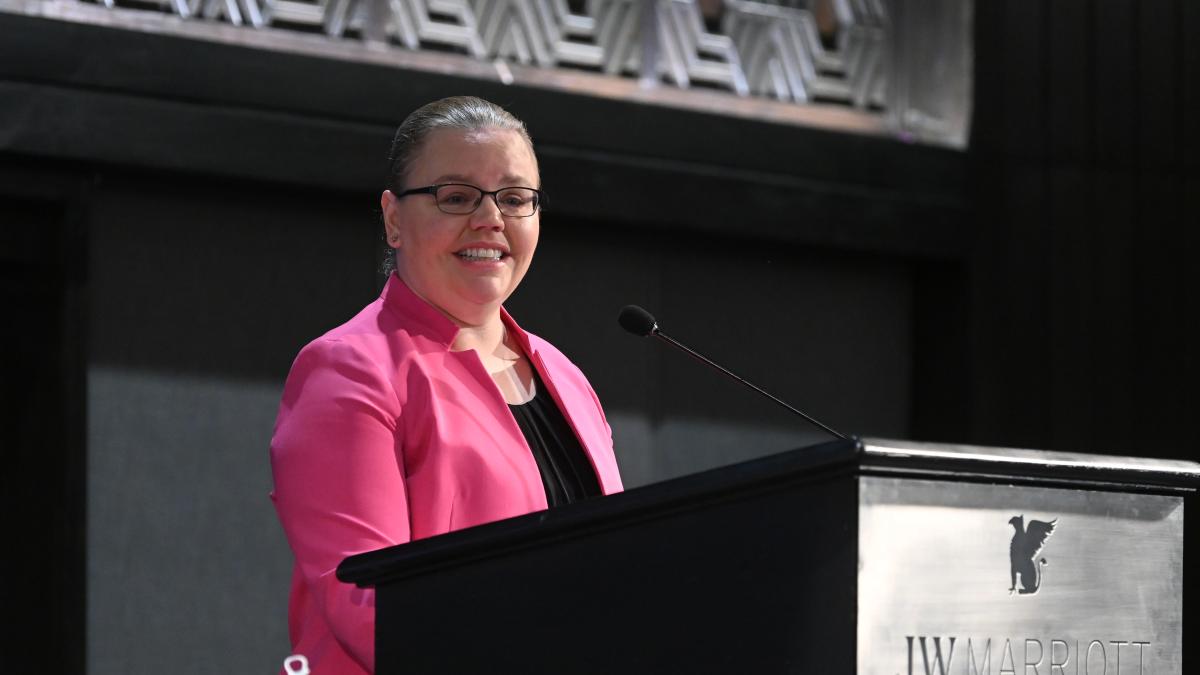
480 254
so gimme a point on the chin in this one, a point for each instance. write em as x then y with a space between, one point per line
486 293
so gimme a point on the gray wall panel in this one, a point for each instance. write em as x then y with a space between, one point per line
187 567
201 294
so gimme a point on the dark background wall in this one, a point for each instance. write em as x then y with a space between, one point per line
1084 160
180 217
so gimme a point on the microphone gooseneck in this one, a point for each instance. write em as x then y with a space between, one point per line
641 323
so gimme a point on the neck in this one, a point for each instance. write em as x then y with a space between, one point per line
484 337
478 326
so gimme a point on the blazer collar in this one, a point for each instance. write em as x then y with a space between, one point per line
518 334
425 319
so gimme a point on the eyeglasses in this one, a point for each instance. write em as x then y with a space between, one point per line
459 199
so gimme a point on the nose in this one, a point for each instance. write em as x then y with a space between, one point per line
488 216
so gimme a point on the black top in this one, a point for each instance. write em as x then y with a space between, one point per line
567 473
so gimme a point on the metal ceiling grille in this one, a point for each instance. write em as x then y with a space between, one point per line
906 62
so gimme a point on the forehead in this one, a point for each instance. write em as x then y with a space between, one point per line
488 157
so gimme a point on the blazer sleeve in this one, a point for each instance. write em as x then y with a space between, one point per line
339 483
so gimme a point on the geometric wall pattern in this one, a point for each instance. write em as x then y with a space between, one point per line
784 55
777 49
763 49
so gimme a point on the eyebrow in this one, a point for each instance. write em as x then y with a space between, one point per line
509 180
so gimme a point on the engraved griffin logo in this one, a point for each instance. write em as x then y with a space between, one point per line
1023 553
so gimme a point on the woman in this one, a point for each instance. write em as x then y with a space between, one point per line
430 410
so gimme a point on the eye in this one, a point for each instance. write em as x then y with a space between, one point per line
516 198
456 196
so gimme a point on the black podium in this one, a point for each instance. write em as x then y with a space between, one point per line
879 557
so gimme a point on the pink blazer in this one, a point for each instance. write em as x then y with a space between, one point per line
384 435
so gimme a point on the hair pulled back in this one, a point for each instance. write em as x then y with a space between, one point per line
464 113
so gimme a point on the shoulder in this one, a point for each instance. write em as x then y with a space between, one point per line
353 342
360 353
365 324
373 335
332 368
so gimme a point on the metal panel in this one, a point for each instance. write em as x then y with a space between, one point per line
929 60
949 581
895 60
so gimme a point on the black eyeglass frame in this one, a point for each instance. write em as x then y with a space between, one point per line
538 197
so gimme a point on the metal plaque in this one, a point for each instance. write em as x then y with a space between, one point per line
982 579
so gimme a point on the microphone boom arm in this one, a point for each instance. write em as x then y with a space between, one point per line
704 359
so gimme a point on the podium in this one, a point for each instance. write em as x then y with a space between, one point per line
861 556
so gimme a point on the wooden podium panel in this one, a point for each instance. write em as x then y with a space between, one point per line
847 557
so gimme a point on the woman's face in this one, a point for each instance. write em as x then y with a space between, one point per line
430 245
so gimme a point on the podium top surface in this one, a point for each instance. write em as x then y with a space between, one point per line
973 460
805 466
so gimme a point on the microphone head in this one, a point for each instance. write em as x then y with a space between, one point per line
637 321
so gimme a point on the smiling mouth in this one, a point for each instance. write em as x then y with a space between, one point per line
481 254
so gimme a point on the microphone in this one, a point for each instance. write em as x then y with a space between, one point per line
637 321
641 323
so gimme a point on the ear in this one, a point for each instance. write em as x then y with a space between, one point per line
389 205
